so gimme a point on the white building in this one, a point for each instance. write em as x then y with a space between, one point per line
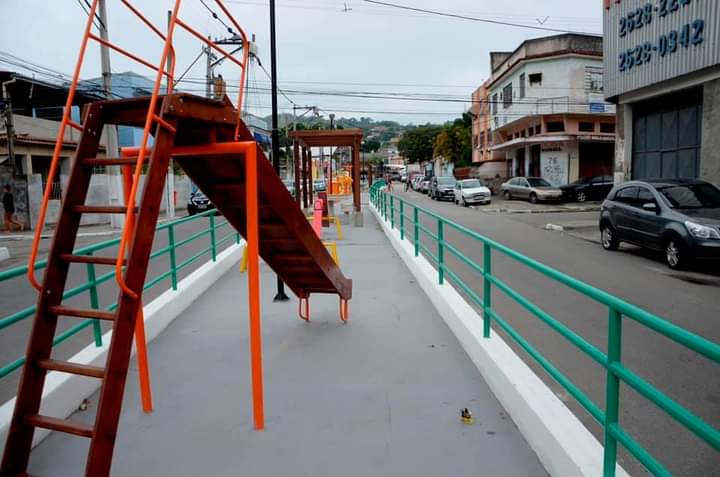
548 113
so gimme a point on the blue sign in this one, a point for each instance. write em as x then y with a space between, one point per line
597 107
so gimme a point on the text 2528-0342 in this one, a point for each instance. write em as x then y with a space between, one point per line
686 36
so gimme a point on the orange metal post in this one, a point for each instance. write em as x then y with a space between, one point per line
140 341
251 184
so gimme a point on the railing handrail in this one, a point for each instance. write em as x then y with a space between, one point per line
616 372
94 281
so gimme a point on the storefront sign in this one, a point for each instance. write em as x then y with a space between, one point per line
554 167
648 41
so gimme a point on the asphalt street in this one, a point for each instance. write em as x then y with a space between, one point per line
17 294
688 299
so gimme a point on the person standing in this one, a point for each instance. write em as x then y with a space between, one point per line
8 201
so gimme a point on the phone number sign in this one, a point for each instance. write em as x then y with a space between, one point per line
661 38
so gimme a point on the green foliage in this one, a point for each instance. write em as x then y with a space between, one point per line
370 145
376 159
417 144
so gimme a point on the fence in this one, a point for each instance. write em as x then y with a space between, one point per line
395 211
93 281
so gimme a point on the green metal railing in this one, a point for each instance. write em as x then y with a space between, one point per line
618 310
93 281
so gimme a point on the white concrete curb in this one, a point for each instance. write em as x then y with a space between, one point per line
565 447
64 392
4 254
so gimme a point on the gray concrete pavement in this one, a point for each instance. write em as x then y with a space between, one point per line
379 396
689 300
17 294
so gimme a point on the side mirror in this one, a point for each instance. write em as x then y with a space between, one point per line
651 207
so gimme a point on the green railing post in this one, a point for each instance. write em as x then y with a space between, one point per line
94 301
392 212
416 231
213 245
402 219
441 251
173 264
487 290
612 391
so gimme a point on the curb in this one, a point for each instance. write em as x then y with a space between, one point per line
4 254
64 392
563 445
541 211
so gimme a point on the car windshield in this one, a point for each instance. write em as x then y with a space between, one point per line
538 182
471 184
446 180
691 196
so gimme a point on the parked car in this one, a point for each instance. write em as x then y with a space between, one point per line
680 217
319 185
442 187
425 186
471 191
416 183
534 189
198 202
588 188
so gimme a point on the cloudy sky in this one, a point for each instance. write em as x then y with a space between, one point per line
330 51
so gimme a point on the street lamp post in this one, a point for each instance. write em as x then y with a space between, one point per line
280 295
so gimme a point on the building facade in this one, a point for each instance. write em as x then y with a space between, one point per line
548 114
662 64
488 162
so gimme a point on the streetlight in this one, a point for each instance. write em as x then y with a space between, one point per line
280 295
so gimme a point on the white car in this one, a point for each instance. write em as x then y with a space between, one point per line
471 191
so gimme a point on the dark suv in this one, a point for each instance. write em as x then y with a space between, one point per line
680 217
442 188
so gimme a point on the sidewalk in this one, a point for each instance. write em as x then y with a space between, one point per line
379 396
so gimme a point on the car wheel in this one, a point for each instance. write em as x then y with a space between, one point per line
581 197
456 202
191 211
462 202
676 254
608 238
507 195
533 198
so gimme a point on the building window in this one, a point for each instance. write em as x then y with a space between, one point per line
489 137
494 103
538 130
586 127
594 79
535 79
481 140
522 85
475 141
608 128
507 96
555 126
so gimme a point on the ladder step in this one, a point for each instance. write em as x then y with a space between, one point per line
68 257
100 209
82 313
61 425
110 161
72 368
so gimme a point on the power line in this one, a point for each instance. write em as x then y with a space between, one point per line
475 19
216 17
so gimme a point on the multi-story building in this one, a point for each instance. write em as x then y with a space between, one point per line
488 162
547 109
662 69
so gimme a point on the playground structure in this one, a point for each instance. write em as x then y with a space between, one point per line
208 139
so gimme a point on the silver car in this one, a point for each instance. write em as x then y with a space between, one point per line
534 189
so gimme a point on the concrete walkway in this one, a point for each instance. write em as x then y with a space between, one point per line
379 396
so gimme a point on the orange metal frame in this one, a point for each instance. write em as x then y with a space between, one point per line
166 70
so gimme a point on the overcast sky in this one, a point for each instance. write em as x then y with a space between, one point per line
325 46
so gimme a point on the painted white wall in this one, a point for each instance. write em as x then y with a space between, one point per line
563 89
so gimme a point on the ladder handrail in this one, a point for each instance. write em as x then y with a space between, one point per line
58 148
166 69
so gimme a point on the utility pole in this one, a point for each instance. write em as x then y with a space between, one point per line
280 296
111 132
209 57
9 125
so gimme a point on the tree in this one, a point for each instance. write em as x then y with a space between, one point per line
454 143
417 144
370 145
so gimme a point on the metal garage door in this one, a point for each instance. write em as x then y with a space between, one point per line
666 136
